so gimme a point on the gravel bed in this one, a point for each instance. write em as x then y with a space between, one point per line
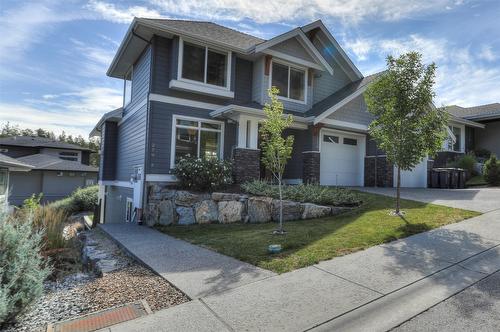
83 293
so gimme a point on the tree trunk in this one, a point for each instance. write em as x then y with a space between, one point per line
398 191
281 205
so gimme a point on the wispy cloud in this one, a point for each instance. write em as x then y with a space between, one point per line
486 53
110 12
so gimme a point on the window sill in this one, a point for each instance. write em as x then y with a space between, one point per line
290 100
201 88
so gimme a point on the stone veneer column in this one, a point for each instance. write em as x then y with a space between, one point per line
246 165
310 166
385 172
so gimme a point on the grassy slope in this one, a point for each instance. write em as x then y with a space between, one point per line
310 241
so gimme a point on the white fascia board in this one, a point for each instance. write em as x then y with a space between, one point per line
466 122
319 24
161 178
303 40
345 124
204 89
293 59
122 46
337 106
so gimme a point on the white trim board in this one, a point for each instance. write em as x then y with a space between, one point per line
160 178
116 183
183 102
345 124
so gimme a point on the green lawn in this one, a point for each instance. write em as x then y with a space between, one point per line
311 241
477 180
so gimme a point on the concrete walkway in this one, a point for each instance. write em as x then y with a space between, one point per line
474 199
376 289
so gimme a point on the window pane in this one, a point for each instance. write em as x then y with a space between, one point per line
297 84
330 139
193 62
127 92
350 141
209 144
210 125
187 123
186 143
457 132
3 182
280 78
216 68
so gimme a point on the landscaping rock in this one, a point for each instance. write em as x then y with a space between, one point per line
230 211
291 210
311 211
185 198
160 192
228 197
206 212
259 209
186 215
166 212
152 214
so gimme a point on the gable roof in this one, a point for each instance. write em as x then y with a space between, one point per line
39 142
208 31
12 163
481 112
42 161
330 104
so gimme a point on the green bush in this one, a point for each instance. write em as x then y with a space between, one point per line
482 153
33 202
466 162
491 171
22 270
203 174
306 193
82 199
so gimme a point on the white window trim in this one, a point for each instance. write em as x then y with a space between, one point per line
131 72
203 87
462 139
127 202
289 65
190 118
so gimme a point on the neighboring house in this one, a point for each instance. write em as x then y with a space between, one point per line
198 88
488 115
56 168
7 165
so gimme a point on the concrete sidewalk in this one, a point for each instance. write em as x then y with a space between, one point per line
375 289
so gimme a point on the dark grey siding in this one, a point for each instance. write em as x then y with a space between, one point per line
165 60
131 144
293 169
161 134
116 198
19 151
107 169
140 80
131 134
24 184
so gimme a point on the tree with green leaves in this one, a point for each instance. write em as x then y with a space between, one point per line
407 126
276 149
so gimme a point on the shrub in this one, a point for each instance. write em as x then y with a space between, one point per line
491 171
33 202
203 174
482 153
22 270
51 222
466 162
82 199
306 193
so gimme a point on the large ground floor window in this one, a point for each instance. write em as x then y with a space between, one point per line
197 138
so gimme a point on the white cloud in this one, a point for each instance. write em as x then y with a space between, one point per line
74 112
110 12
487 54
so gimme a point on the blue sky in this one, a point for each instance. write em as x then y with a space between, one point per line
54 54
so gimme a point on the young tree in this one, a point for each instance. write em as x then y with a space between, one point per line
276 149
407 126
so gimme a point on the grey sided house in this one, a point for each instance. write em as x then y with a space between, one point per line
198 88
50 167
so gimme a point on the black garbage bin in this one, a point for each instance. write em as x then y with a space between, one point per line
444 179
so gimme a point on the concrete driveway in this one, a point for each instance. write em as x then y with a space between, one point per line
474 199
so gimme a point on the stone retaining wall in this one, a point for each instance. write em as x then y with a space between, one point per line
168 206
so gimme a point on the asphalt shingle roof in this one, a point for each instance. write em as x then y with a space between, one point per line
475 111
7 161
31 141
47 162
341 94
210 31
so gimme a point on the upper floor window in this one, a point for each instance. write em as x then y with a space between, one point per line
457 145
127 89
291 81
204 64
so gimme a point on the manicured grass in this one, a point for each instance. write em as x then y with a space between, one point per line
477 180
310 241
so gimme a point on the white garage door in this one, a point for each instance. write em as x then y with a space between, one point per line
341 159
